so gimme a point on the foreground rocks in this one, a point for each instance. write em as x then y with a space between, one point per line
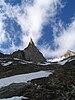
59 86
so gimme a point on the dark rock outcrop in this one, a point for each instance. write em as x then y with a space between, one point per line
31 53
18 54
1 55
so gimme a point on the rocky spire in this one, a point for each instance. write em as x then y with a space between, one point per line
31 53
31 41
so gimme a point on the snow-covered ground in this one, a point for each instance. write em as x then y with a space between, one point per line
17 59
71 59
65 61
23 78
56 59
61 60
15 98
44 64
6 63
23 61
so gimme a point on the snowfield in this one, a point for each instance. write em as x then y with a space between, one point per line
61 60
6 64
65 61
56 59
23 78
15 98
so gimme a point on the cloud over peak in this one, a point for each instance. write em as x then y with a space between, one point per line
30 16
65 40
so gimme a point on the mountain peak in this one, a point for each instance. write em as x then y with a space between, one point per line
32 53
31 41
69 53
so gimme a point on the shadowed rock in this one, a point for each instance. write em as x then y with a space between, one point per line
31 53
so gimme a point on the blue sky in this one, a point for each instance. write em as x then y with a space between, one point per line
50 23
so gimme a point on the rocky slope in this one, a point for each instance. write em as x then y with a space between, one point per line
10 67
58 86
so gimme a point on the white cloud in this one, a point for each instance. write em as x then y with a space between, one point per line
2 32
63 42
30 17
66 40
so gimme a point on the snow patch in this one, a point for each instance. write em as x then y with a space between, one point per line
71 59
44 64
23 61
56 59
6 64
23 78
16 59
15 98
63 62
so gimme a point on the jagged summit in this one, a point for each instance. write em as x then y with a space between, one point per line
31 41
31 53
66 55
69 54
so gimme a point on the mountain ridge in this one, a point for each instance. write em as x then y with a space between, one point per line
69 53
30 53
